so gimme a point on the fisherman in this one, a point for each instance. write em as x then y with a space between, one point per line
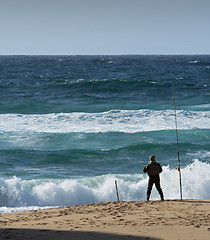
153 169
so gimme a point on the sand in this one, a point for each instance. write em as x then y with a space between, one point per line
170 219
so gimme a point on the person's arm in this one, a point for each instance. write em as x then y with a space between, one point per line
145 170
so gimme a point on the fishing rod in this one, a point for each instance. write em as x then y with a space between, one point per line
177 137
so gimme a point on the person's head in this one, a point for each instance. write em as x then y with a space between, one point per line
152 158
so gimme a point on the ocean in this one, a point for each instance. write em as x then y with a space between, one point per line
72 125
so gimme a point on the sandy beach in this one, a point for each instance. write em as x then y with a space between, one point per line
170 219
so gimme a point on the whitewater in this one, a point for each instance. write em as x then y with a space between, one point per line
22 195
72 125
128 121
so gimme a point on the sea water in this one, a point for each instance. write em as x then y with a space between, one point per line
72 125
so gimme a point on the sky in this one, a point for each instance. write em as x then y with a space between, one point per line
104 27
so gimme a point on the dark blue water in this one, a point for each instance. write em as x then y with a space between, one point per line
71 125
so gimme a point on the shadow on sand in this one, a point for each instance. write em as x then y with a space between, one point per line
38 234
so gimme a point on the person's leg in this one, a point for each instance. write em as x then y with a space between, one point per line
149 188
157 184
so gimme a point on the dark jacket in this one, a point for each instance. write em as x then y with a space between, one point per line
153 169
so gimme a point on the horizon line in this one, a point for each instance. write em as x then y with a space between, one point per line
132 54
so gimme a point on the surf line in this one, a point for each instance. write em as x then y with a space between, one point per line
177 137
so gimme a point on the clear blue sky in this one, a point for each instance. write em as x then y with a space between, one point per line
104 27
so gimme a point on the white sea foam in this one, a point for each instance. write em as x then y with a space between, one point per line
20 195
22 209
193 62
129 121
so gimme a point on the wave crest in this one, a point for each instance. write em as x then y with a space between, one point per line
25 193
128 121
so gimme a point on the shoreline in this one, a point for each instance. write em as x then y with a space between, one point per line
170 219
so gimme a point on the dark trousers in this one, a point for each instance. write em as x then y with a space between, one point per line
154 180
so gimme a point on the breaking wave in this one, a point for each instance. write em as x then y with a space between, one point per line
128 121
19 195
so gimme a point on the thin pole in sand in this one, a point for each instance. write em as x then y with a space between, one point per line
117 191
177 138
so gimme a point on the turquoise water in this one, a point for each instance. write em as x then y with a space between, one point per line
72 125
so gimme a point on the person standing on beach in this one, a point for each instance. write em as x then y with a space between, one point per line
153 169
